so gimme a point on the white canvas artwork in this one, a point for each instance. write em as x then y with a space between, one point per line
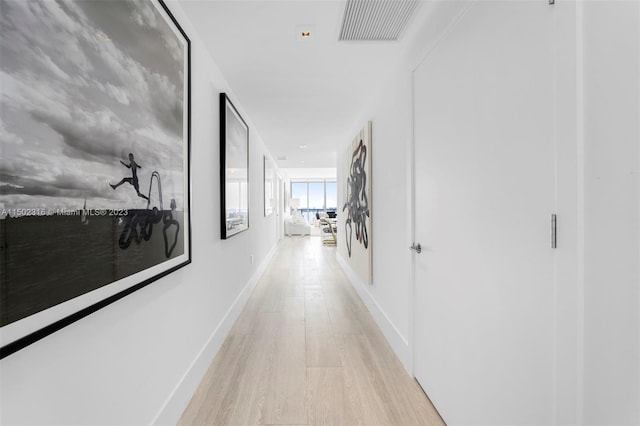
356 206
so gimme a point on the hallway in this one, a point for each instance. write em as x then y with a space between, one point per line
305 350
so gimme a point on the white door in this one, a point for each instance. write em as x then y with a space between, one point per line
484 194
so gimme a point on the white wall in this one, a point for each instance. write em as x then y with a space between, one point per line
319 173
388 295
139 360
611 212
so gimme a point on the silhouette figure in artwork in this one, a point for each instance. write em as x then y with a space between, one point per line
133 180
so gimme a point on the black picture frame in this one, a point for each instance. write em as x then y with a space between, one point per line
234 170
107 220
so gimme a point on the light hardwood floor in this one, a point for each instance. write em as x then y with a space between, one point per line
305 351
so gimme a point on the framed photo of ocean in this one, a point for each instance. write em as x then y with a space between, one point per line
94 171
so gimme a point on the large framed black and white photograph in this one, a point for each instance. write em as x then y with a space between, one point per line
234 169
94 171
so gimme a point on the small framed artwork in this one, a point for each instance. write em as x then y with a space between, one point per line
279 194
268 182
94 188
285 197
234 169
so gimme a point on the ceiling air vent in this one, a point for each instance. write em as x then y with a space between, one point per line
376 20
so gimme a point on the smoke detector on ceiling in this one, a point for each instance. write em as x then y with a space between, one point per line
376 20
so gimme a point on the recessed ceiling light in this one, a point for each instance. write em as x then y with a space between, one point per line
303 32
303 146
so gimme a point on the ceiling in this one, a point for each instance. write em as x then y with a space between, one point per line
305 96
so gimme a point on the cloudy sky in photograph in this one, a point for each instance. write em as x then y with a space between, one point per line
83 84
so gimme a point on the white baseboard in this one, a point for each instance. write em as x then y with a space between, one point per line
174 406
396 340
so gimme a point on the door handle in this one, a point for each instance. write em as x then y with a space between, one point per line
416 247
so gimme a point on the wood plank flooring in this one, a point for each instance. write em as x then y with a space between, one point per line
305 351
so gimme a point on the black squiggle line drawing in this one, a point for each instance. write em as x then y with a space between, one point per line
357 204
168 222
138 227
